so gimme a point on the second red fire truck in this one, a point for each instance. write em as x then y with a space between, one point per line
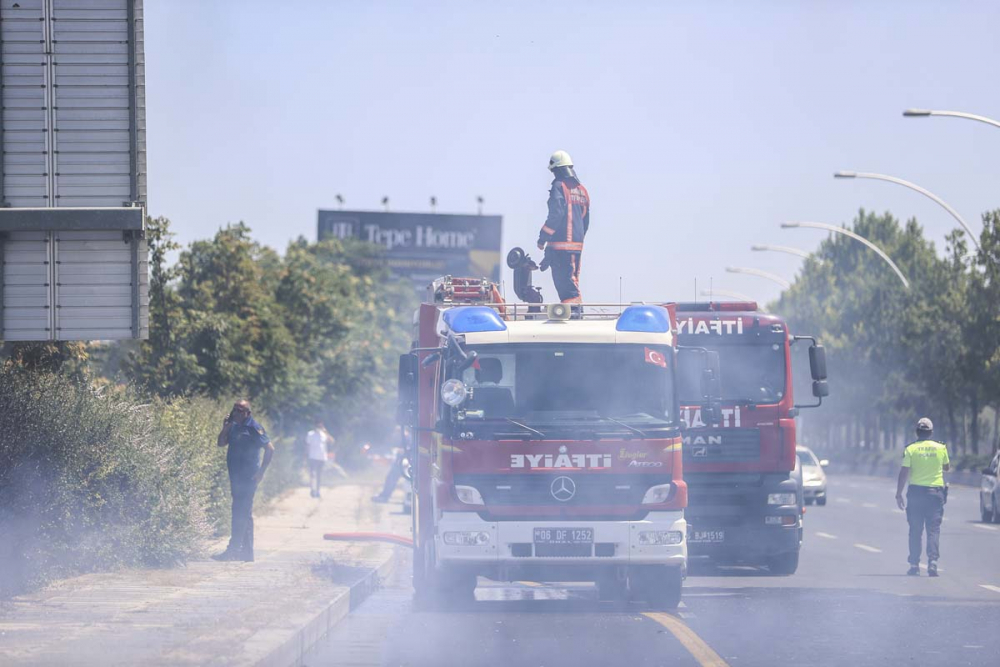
744 501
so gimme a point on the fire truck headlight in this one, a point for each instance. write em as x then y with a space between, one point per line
661 537
469 495
454 392
660 493
466 538
781 499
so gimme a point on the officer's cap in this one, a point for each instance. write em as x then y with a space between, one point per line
925 424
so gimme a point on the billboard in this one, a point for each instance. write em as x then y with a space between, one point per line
73 253
423 246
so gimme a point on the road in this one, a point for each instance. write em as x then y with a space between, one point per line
850 603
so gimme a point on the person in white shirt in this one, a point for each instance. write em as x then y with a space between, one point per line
318 442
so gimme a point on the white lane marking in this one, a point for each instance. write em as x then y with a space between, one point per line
995 589
984 527
869 505
826 535
841 500
865 547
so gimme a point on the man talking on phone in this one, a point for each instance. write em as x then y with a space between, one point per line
245 438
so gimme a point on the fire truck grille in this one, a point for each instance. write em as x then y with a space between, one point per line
594 489
721 445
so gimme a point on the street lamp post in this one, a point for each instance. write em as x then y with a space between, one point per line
760 274
923 113
856 237
781 248
930 195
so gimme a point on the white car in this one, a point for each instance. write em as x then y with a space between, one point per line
813 476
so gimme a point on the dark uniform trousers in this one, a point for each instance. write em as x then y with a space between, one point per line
243 490
924 509
565 267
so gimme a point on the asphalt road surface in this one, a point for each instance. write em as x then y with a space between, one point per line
850 603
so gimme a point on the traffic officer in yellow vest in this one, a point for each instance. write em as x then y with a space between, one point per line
565 227
924 464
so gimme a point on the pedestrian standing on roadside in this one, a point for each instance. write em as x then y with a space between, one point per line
924 464
245 439
318 442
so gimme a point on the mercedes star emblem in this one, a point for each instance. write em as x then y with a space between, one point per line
563 489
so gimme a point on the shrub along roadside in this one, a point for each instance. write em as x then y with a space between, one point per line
94 478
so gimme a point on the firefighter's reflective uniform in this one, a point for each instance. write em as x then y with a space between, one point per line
563 234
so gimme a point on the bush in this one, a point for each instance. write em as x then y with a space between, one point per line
96 478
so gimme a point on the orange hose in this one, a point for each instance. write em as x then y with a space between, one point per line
369 537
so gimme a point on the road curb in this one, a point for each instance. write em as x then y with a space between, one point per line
292 649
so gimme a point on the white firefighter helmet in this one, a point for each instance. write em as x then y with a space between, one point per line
560 159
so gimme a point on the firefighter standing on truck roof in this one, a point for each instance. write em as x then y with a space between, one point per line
924 463
565 227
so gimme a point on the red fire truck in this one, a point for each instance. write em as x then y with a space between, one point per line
744 504
546 444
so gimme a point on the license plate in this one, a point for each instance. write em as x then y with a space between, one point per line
564 535
708 536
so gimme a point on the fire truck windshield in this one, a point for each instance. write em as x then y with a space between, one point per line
547 383
752 371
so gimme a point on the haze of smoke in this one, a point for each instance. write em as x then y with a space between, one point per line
97 478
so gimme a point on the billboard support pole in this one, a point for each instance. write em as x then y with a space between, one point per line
3 237
132 238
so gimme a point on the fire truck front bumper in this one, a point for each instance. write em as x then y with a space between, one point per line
466 540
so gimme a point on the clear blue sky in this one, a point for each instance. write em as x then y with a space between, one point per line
697 127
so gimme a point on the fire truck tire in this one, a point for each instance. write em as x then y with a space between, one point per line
661 586
612 589
784 564
433 590
821 501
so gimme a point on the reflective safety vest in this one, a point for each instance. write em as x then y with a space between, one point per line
926 460
569 217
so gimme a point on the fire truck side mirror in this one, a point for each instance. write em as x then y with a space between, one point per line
821 389
409 368
817 364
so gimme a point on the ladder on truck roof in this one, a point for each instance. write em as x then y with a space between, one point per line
454 291
450 291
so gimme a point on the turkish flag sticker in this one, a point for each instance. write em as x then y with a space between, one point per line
654 357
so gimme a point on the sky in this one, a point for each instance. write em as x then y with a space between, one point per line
697 127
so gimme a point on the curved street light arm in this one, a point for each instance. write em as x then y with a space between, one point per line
856 237
782 248
913 186
918 113
760 274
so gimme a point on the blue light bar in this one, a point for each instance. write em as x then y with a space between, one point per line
647 319
473 319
